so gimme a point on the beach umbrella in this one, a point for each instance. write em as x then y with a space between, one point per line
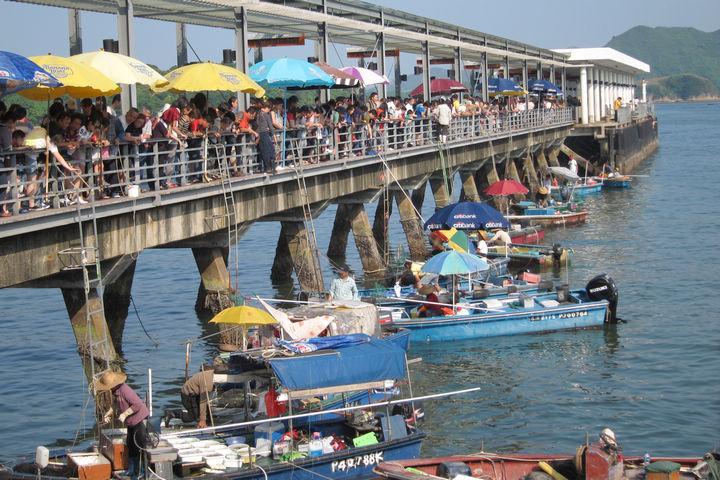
506 187
542 85
121 68
209 77
342 79
288 73
367 77
454 238
78 80
504 87
244 316
454 263
440 86
20 73
467 216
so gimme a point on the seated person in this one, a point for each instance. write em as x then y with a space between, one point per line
500 237
541 198
433 308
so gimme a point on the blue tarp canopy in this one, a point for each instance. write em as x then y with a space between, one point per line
343 366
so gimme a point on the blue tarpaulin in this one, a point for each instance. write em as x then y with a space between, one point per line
323 343
373 361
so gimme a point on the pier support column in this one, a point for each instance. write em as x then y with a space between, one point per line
418 196
412 227
552 158
116 297
305 262
181 44
125 22
340 232
352 216
282 267
485 177
241 51
380 223
215 290
440 192
511 170
93 336
530 174
469 187
583 91
541 161
75 31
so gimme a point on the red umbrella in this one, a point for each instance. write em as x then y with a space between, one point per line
440 86
506 187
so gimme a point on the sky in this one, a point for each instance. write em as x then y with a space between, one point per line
35 30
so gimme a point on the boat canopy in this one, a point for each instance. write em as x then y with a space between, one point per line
565 173
346 365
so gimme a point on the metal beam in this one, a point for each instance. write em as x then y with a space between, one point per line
241 52
181 44
381 57
75 31
125 40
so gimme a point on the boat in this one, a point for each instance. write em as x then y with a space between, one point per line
574 186
621 181
533 234
597 461
549 217
537 257
306 445
517 313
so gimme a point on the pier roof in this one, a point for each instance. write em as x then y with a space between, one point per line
605 57
352 23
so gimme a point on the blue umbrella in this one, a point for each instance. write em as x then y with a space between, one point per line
290 73
504 86
454 263
467 216
18 73
542 85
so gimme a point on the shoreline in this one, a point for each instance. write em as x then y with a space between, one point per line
690 100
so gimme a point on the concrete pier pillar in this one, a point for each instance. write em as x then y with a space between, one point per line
469 187
116 297
552 157
485 177
92 337
511 170
541 160
418 196
440 192
412 226
530 174
380 223
340 232
282 268
372 260
215 289
305 261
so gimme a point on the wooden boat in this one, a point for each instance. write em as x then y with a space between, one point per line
352 445
551 218
538 257
528 235
517 313
591 462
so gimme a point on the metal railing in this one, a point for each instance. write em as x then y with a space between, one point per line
30 182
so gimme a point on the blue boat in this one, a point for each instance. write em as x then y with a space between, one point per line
617 182
520 313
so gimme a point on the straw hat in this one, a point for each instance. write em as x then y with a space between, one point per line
543 190
483 234
109 380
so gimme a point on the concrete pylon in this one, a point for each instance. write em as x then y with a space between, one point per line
552 157
93 338
380 228
412 227
469 187
530 174
511 171
215 289
418 196
352 216
304 259
282 267
116 297
440 192
485 177
541 160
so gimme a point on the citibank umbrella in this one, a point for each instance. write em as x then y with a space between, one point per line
440 86
504 86
467 216
19 73
542 85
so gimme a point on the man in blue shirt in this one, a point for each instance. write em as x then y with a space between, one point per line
343 288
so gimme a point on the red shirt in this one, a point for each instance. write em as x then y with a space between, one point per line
244 121
171 115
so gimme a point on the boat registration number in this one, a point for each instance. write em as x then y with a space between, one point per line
539 318
357 462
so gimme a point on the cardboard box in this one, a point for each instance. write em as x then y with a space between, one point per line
112 445
90 466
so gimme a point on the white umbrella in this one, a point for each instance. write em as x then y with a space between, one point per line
366 77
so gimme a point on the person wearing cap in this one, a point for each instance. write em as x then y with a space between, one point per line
132 412
343 287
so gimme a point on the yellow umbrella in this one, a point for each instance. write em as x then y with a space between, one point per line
244 316
202 77
121 68
79 80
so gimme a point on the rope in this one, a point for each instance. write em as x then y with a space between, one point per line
137 314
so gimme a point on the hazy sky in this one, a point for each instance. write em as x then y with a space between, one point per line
35 30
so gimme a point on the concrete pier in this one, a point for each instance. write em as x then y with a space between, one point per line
304 259
469 188
411 226
93 338
215 277
440 190
352 216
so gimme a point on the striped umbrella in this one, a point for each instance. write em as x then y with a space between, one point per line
342 79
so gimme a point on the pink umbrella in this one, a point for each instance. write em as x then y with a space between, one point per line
440 86
366 77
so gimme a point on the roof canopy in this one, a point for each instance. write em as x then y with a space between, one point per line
606 57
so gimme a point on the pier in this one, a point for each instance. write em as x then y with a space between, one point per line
89 251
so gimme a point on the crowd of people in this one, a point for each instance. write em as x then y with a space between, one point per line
96 149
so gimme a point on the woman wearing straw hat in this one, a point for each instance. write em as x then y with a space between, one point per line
133 413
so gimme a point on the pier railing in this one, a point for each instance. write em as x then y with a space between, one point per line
37 180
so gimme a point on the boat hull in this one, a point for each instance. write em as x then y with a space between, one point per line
532 320
528 235
557 220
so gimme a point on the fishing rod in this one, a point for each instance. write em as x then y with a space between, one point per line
322 412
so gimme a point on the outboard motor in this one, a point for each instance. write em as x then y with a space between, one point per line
603 287
557 252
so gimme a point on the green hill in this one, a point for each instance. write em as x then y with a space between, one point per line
685 61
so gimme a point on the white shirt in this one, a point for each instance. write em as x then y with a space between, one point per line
482 248
501 237
573 166
444 114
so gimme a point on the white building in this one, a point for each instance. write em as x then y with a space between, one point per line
601 76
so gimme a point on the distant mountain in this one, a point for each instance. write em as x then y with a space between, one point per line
685 61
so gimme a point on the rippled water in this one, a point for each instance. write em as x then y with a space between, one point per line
654 380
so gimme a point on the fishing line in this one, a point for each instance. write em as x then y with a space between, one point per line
154 342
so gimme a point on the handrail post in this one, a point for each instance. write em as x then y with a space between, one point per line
156 167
